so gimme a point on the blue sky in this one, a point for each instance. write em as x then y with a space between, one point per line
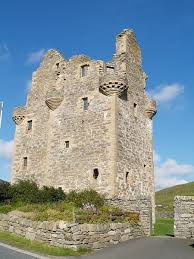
165 32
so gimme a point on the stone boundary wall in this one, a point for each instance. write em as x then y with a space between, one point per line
75 235
142 205
184 216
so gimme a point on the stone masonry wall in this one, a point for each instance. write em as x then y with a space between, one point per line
141 205
95 236
134 133
88 131
184 216
106 146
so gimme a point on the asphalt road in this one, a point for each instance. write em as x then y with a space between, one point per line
148 248
7 252
144 248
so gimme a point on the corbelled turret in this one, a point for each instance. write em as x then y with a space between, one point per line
19 115
110 84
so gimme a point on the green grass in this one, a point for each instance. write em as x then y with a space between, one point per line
166 196
67 211
7 207
164 227
37 247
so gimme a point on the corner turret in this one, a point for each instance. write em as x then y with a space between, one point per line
128 54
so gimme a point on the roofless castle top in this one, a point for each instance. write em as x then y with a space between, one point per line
88 123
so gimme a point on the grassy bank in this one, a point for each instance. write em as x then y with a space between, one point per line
37 247
164 227
165 197
49 203
69 212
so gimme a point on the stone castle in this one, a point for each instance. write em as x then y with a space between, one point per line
88 123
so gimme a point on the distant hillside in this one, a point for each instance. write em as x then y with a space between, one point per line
165 197
2 181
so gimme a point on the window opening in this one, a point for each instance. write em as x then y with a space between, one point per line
126 176
25 162
135 109
67 144
29 124
110 69
95 173
85 103
84 70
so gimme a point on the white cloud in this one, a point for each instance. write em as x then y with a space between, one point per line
4 52
35 57
171 167
163 183
6 149
156 157
167 93
170 172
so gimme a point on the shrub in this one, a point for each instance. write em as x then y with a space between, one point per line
5 193
25 191
72 196
28 191
51 194
86 199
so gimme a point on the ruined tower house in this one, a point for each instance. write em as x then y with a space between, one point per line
88 123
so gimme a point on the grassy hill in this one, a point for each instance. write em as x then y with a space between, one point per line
165 197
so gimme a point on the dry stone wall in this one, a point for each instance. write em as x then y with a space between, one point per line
142 205
184 216
61 234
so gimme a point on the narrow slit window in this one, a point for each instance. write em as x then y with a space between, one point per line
84 70
25 162
85 103
95 173
29 124
127 176
135 109
67 144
